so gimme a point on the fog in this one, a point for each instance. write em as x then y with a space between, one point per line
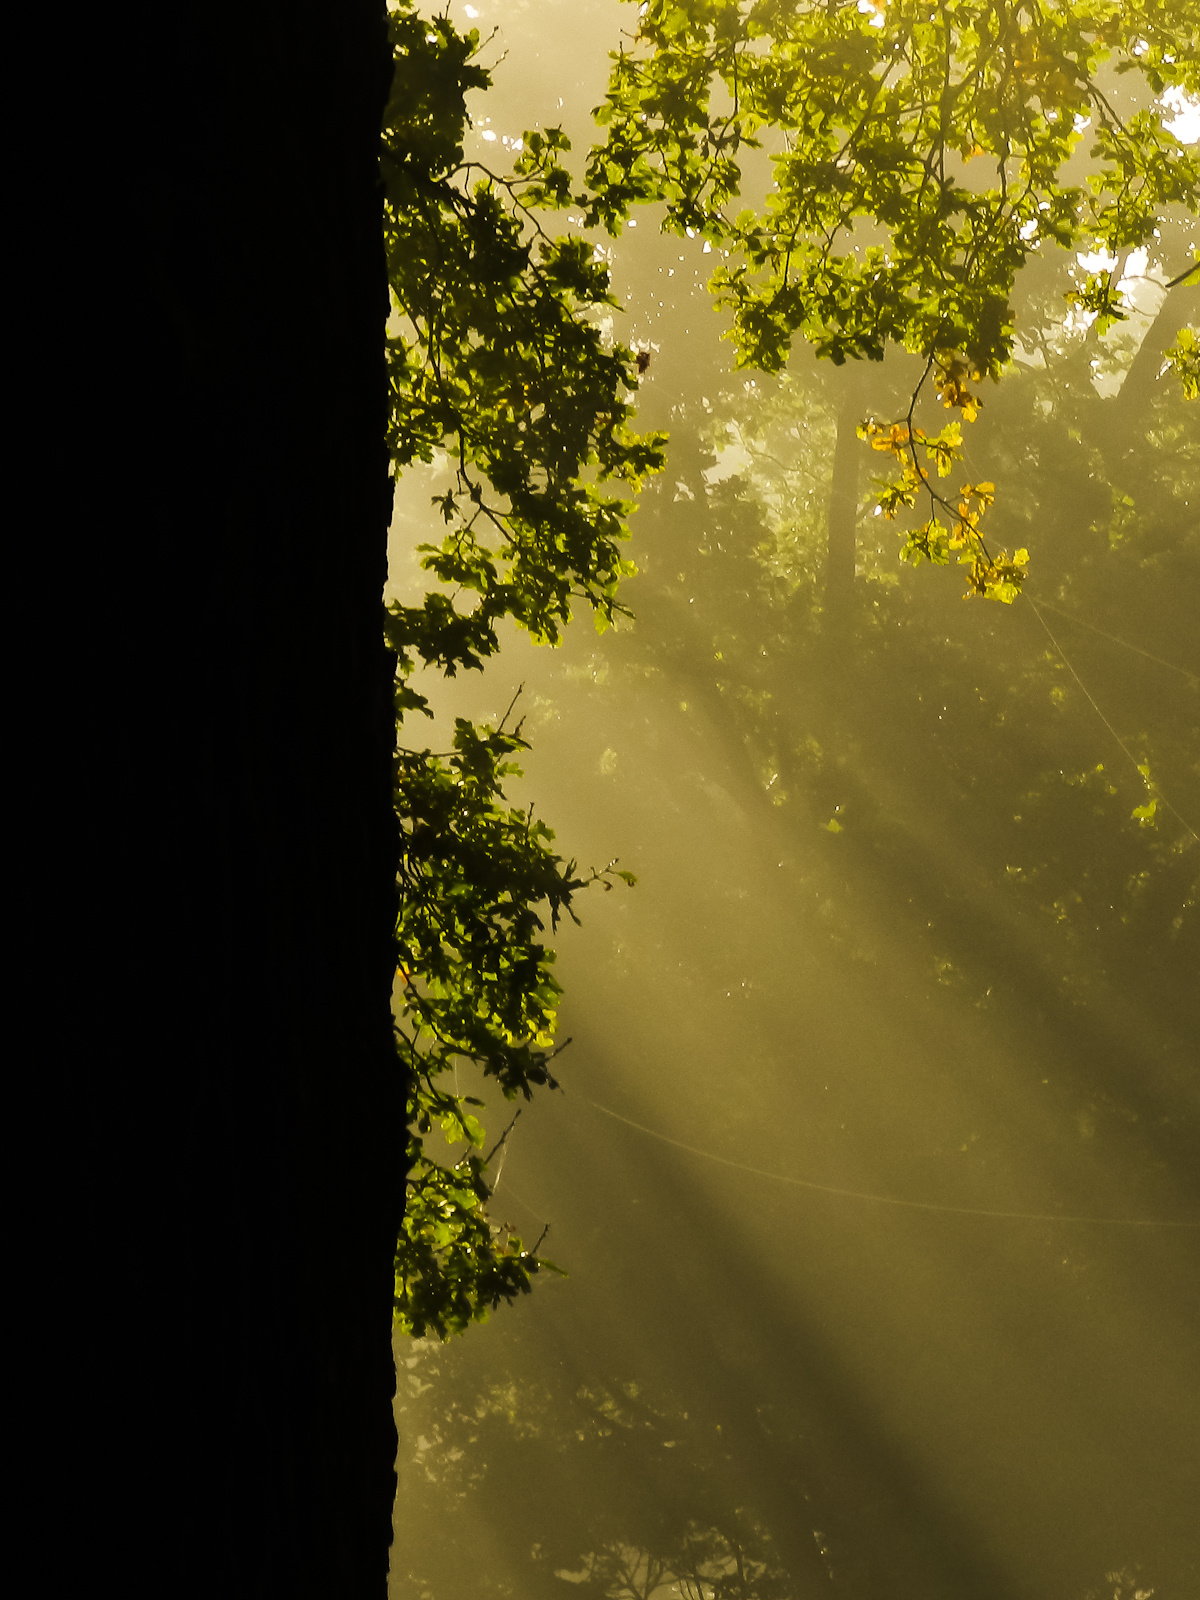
874 1169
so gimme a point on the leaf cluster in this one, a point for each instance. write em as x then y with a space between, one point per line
938 135
478 883
497 366
1184 356
928 152
996 577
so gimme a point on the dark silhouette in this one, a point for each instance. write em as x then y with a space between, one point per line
235 1167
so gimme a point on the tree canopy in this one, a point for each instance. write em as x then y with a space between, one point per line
495 360
923 158
926 153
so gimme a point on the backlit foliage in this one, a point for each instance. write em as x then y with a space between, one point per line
926 156
927 152
496 363
1184 356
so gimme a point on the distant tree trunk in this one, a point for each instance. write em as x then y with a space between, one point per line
231 849
1180 305
843 503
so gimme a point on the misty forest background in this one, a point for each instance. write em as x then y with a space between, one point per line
874 1166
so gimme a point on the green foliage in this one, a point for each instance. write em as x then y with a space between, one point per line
497 366
1099 298
736 615
476 986
926 159
452 1263
1184 356
927 154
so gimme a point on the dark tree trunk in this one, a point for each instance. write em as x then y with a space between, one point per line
1145 377
843 503
230 846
